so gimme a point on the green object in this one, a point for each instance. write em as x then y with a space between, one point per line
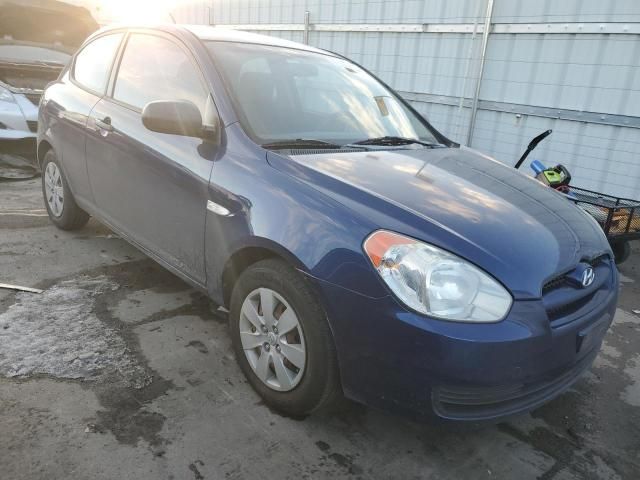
553 177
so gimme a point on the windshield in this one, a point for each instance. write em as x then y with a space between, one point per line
283 94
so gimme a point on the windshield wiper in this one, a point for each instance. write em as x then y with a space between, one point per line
300 143
392 141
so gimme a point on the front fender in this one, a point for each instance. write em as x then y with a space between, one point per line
271 210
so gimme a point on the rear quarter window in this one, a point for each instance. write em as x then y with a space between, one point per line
93 64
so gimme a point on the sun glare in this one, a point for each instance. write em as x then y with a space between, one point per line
138 11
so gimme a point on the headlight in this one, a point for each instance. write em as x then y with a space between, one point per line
435 282
6 95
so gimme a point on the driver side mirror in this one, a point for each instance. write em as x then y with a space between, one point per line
175 117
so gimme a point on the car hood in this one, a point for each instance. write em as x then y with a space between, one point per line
509 224
50 23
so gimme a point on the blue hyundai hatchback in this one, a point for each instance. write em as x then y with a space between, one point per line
358 250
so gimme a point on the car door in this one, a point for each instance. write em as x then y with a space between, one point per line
76 94
153 186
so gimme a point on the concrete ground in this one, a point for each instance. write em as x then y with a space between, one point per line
119 370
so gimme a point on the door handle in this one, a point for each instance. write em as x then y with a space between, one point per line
105 124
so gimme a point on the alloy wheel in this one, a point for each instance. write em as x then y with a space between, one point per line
54 189
272 339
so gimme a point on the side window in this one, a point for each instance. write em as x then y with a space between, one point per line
93 64
154 68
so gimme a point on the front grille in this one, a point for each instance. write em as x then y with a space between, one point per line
34 98
561 280
554 284
564 302
473 403
568 308
33 126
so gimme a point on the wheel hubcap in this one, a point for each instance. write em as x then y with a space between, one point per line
272 339
54 191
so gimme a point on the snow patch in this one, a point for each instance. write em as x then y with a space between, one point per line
631 393
625 279
57 333
625 317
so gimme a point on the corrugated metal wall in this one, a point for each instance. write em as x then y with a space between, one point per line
585 84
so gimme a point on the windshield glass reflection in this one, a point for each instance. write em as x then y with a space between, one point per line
286 94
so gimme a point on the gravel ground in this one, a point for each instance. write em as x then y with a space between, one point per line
119 370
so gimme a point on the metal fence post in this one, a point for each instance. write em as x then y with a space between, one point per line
305 36
485 40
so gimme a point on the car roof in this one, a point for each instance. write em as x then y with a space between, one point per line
210 33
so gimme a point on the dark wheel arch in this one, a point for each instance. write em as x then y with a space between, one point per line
239 261
43 147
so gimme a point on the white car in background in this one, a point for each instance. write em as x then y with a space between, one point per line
37 39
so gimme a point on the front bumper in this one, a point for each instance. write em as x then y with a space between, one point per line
18 143
397 360
19 127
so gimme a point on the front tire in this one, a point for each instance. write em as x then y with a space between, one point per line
282 340
62 208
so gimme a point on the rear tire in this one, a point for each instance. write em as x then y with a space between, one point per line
311 377
62 208
621 251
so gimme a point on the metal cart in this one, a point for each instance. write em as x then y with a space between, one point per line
618 217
